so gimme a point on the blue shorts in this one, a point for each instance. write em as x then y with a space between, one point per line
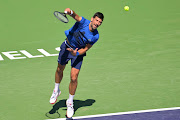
65 56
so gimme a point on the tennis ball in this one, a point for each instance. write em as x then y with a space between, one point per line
126 8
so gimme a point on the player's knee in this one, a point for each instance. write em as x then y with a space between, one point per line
74 79
58 69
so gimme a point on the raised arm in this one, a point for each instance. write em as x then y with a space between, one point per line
73 14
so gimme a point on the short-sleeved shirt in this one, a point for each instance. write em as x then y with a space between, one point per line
80 35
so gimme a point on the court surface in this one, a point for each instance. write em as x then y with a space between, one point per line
134 66
155 114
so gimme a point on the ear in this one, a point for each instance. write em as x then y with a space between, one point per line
92 19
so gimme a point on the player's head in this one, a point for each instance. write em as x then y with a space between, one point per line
99 15
96 20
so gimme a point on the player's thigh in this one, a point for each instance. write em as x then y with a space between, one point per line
60 68
74 73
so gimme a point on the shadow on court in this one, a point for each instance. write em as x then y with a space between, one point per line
53 113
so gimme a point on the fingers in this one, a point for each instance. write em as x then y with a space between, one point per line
76 49
73 52
69 49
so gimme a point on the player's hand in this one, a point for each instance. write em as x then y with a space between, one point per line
67 11
73 52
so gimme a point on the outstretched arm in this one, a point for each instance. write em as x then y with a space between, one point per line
73 14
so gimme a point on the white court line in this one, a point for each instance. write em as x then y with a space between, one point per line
120 113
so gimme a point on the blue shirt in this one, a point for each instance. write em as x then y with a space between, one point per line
80 35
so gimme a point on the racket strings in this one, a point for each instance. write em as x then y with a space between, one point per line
61 16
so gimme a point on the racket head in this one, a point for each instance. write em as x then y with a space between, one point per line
61 16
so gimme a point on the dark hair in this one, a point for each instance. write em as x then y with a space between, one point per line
99 15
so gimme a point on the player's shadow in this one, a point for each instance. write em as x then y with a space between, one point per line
53 113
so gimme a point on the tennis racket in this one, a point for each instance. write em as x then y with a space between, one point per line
61 16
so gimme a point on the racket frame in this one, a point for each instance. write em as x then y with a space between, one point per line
63 14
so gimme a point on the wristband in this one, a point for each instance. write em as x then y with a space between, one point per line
71 12
65 12
77 53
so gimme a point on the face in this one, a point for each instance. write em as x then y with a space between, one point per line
95 23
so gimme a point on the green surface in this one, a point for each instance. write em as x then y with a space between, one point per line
134 65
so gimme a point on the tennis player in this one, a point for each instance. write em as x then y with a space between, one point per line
79 39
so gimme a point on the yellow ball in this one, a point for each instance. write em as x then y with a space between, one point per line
126 8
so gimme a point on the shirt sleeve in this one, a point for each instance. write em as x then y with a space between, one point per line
81 23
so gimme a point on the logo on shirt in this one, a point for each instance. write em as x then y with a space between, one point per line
89 40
